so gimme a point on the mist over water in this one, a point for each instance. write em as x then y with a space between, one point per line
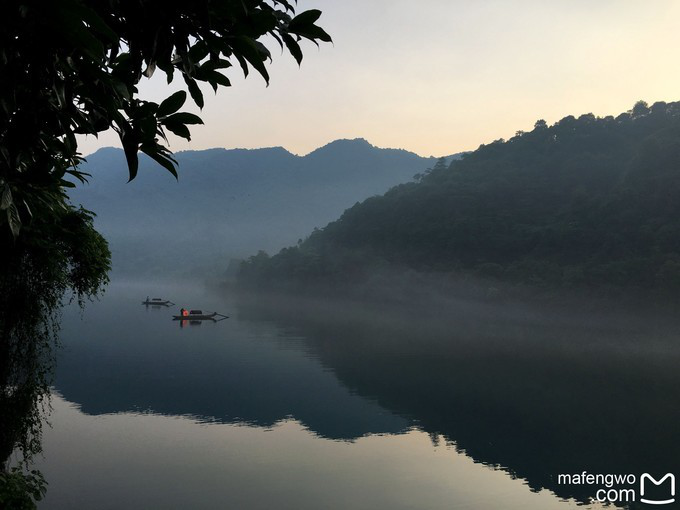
466 397
353 328
537 391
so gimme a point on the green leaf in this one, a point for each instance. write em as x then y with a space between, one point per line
287 5
220 63
28 209
303 25
172 104
184 118
14 220
195 92
81 176
243 63
179 130
216 78
261 22
293 47
70 142
304 19
6 198
245 47
147 127
198 51
141 109
130 147
150 69
165 161
277 39
121 88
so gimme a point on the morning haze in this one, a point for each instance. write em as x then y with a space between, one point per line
435 266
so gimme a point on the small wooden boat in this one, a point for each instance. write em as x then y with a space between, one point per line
198 315
195 317
157 301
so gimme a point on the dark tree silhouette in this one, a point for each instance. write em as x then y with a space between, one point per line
73 66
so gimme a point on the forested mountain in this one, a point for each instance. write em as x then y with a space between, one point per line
587 202
230 203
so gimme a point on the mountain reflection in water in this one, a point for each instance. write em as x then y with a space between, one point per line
535 395
227 371
146 461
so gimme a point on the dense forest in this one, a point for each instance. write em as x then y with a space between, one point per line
588 202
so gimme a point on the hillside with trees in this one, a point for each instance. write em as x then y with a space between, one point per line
588 202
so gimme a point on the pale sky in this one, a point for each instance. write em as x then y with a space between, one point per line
437 77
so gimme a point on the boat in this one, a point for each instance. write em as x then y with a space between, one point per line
198 315
157 301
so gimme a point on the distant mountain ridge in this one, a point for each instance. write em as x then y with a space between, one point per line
231 202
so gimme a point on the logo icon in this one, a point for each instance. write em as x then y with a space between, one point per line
647 477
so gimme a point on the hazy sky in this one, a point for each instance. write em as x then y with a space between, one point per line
437 77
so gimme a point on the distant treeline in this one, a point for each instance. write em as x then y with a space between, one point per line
588 202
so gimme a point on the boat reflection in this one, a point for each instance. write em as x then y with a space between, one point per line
157 302
184 323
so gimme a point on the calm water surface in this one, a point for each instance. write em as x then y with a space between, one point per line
318 405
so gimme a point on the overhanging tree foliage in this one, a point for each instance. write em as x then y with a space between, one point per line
72 67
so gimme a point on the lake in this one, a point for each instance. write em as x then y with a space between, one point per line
315 404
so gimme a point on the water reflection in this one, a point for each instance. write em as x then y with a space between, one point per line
183 323
534 395
227 371
142 461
